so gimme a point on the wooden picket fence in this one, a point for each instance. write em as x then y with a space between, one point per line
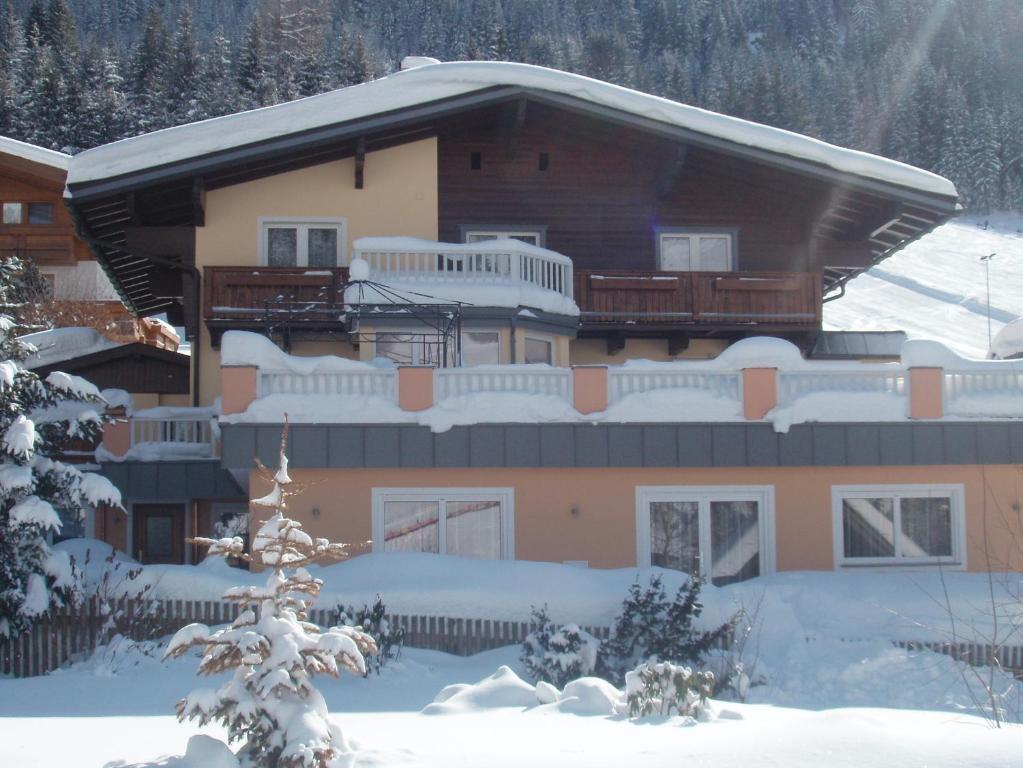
68 634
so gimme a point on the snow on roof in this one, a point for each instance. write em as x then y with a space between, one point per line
425 84
1008 342
60 344
34 153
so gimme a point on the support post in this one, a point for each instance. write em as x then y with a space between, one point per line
117 433
759 392
238 387
415 387
926 393
590 388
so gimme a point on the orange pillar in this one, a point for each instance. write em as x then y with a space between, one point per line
926 393
415 387
117 433
759 392
589 388
238 388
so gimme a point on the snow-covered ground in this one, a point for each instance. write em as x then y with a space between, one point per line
935 288
829 688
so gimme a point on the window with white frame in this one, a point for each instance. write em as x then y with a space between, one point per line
723 533
696 251
898 525
525 234
302 242
415 348
468 522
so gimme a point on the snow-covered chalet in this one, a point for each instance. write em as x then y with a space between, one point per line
512 312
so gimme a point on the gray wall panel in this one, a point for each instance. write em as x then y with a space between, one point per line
660 446
143 481
828 445
960 443
486 446
591 445
695 446
795 447
415 448
927 444
307 445
625 445
381 446
557 446
762 447
451 448
862 445
522 445
992 443
896 444
346 447
268 445
729 445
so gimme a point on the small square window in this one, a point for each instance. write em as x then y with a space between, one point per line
12 213
538 351
481 348
40 213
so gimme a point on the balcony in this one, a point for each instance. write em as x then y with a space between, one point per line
162 433
627 299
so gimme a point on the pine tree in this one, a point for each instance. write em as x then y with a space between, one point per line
38 418
270 702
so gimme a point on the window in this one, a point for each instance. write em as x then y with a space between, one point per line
531 235
414 348
723 533
481 348
40 213
696 251
538 351
898 525
302 243
468 522
12 213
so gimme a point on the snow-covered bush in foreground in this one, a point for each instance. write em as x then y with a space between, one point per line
659 688
270 702
557 655
373 621
38 419
650 627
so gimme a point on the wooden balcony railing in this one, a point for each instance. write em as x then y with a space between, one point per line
610 297
243 294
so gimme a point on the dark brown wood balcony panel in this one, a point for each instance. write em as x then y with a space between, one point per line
705 299
243 294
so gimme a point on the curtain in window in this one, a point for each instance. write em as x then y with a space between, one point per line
473 529
926 527
734 541
675 535
411 526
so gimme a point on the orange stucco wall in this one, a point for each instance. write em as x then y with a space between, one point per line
604 530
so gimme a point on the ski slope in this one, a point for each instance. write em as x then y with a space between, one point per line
935 288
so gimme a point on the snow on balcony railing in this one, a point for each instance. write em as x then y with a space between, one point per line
374 383
978 392
629 380
793 385
173 430
507 260
521 379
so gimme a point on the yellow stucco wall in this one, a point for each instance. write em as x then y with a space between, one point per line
594 351
399 199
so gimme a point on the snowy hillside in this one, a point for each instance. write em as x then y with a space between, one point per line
935 287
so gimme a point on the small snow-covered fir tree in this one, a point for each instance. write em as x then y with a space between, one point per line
270 702
38 418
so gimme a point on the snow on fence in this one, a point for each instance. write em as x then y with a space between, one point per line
531 380
69 634
628 380
963 385
507 261
793 385
377 383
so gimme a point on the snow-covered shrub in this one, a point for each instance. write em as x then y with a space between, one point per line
38 419
373 621
650 627
662 687
125 602
557 655
270 702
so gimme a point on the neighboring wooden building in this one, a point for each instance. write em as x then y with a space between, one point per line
470 214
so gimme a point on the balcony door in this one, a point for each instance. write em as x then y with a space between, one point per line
696 251
158 533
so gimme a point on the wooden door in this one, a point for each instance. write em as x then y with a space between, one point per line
158 533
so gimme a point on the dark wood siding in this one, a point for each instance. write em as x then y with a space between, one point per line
133 368
608 188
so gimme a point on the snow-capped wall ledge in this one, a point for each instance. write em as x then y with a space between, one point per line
243 348
424 84
922 353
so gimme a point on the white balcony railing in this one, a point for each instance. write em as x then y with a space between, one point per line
792 385
522 379
498 261
625 381
195 433
372 383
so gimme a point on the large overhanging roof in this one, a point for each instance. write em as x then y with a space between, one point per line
193 148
